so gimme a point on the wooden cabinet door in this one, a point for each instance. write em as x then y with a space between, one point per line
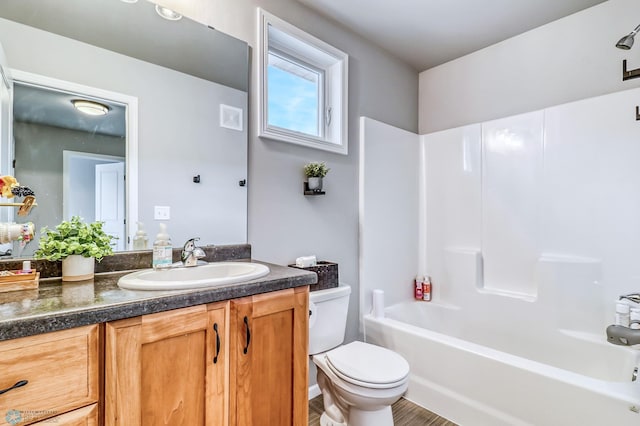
269 359
160 368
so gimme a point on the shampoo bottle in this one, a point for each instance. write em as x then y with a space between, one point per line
426 289
162 250
417 289
140 241
622 314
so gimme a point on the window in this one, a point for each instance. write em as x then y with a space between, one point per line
303 87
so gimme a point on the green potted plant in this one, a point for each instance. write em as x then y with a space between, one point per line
314 173
77 244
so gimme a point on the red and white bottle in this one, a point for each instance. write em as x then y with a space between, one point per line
417 289
426 289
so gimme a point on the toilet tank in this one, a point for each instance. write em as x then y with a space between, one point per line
327 318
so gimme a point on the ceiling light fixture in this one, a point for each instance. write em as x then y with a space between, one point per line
626 42
130 1
90 107
167 13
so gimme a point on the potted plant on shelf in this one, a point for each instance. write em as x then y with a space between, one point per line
77 244
314 173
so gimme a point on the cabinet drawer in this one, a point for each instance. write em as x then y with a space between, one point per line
85 416
61 370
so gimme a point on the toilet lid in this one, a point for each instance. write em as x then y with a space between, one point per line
366 364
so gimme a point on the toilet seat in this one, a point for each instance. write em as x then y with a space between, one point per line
368 365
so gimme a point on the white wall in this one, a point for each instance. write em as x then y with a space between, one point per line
569 59
536 216
389 212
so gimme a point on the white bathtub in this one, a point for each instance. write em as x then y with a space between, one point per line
476 375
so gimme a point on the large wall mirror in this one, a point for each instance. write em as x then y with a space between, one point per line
169 134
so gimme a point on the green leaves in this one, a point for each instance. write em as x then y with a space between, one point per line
316 170
74 237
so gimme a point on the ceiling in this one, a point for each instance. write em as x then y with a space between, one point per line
426 33
50 107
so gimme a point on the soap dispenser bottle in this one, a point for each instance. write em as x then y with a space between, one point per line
162 250
140 241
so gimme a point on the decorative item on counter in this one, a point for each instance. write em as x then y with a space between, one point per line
19 280
162 249
7 183
23 279
141 240
314 173
306 261
22 232
9 188
77 244
29 199
327 274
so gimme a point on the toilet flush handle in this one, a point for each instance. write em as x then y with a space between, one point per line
313 314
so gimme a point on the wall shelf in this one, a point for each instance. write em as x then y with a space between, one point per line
307 191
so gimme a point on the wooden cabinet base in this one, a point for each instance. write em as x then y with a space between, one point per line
269 344
160 368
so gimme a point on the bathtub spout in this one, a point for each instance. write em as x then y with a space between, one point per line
620 335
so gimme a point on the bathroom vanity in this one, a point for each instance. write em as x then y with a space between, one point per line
92 353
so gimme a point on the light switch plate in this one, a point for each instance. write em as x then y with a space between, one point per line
230 117
162 212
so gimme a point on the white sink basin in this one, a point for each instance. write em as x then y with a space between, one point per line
209 275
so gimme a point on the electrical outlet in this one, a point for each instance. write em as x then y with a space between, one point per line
162 212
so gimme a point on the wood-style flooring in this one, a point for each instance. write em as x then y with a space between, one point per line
405 413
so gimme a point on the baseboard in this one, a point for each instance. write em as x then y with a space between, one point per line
314 391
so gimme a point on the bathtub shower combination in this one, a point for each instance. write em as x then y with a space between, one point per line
529 227
567 380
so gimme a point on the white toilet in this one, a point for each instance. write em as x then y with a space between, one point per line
359 381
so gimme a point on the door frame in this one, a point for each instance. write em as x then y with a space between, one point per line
131 140
67 156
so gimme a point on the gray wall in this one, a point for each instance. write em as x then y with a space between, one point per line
569 59
283 223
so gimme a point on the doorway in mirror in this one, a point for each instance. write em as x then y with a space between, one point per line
74 161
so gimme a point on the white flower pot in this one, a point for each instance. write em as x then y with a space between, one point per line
315 183
77 268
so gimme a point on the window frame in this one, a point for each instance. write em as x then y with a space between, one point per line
321 93
310 52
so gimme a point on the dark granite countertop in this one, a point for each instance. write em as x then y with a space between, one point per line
58 305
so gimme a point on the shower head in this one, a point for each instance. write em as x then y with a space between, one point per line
626 42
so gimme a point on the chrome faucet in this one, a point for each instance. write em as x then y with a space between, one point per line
191 253
621 335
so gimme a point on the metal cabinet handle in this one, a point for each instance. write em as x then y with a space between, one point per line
215 328
246 323
17 385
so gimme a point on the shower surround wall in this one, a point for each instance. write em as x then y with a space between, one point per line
529 226
536 216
